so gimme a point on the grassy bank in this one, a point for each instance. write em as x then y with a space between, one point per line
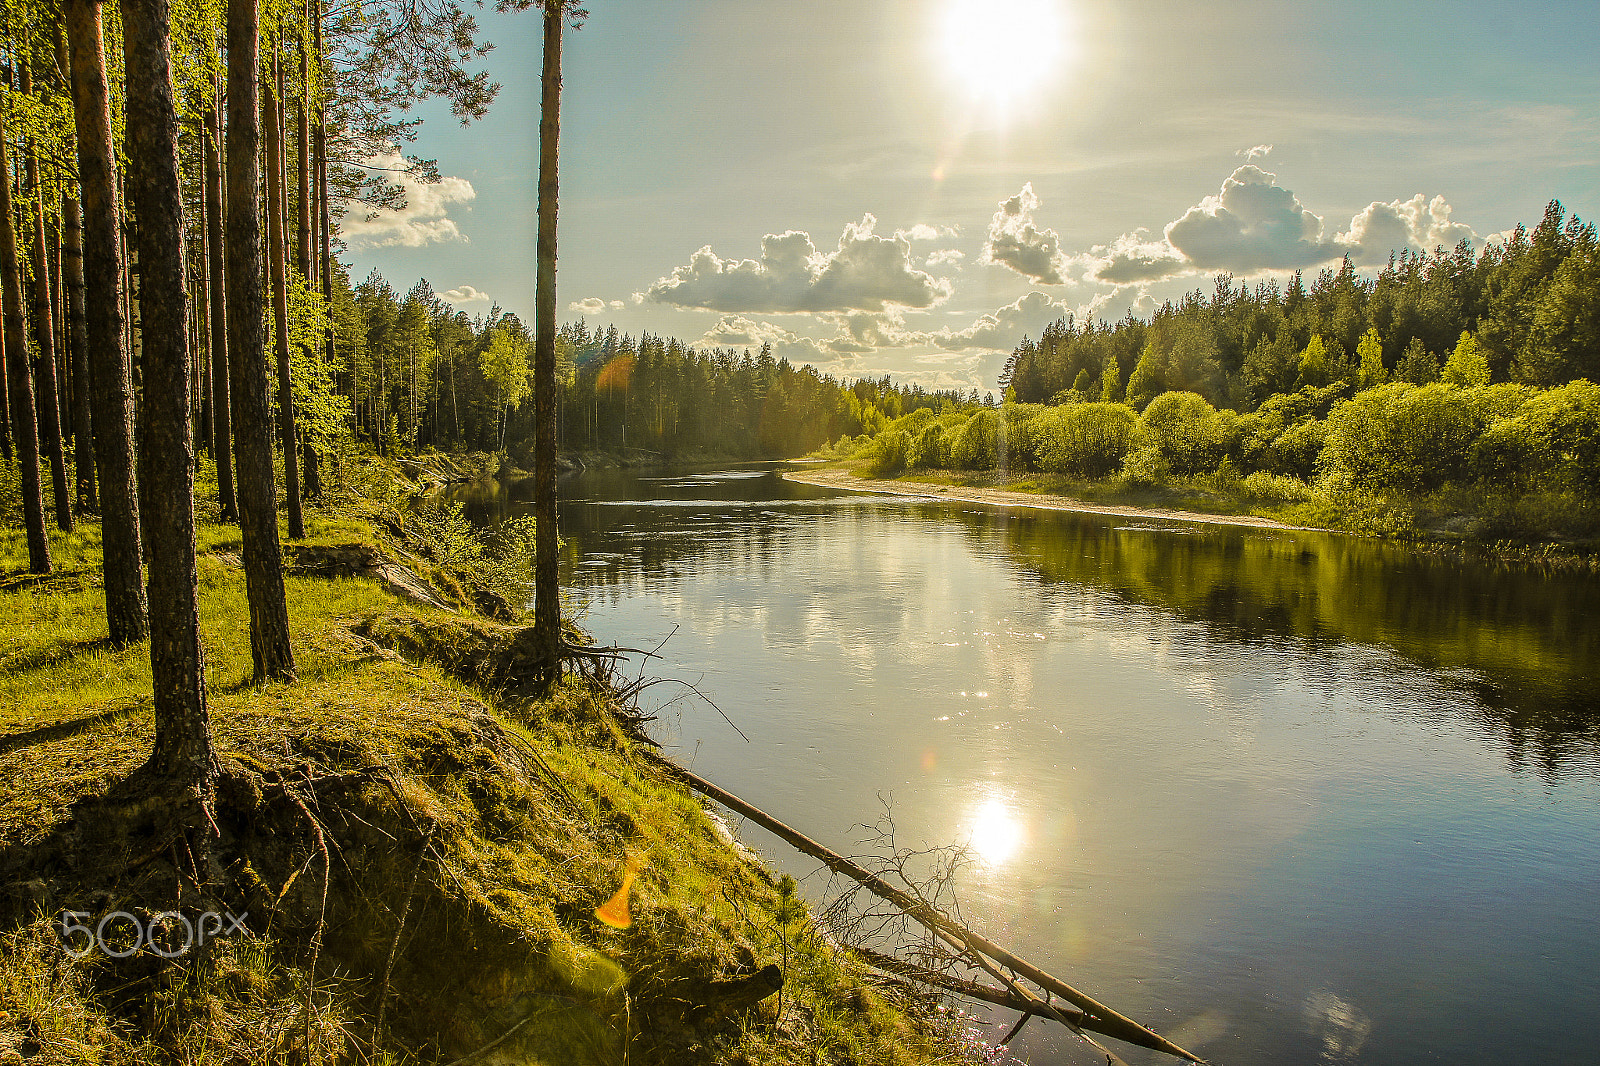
420 846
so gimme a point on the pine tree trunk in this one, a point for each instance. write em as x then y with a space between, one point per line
303 256
547 590
247 365
44 333
183 754
109 387
277 254
77 343
19 375
221 415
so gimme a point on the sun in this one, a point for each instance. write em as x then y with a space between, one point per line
999 53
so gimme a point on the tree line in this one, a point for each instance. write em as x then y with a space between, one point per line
413 372
1531 303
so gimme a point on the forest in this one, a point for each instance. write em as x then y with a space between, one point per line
1451 388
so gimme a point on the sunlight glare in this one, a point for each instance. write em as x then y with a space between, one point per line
996 832
998 52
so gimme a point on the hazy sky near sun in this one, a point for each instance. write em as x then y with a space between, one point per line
910 186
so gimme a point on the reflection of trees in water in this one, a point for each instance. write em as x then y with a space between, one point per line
1525 643
1522 644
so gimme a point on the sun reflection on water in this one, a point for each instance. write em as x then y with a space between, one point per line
996 832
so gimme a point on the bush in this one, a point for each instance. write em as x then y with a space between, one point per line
887 454
931 449
1296 450
1191 435
1144 467
975 445
1087 440
1552 441
1413 439
1264 486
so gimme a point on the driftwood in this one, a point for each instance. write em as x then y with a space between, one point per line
1099 1017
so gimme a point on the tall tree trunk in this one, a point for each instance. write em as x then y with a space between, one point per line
183 754
221 416
44 332
277 255
77 342
303 255
247 364
20 375
546 587
109 387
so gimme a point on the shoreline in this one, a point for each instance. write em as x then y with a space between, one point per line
838 479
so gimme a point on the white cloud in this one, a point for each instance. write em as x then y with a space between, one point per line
1004 329
1014 241
865 273
592 305
423 220
1253 224
1417 223
616 305
737 331
1260 151
466 294
952 256
1134 257
924 232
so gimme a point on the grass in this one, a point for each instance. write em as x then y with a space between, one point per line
469 835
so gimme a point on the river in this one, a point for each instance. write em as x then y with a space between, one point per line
1285 797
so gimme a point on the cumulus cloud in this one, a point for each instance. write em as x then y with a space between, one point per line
1254 224
1004 329
865 273
466 294
1133 258
952 256
592 305
1260 151
737 331
423 220
924 232
1417 223
1015 241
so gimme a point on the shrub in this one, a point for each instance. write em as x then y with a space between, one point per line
931 449
974 447
1144 467
1264 486
1550 441
1296 450
1087 440
887 454
1191 435
1412 439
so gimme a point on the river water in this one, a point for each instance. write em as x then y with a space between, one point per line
1284 797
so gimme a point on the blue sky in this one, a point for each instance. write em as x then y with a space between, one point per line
910 186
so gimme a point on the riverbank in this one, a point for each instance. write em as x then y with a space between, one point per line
420 843
1015 494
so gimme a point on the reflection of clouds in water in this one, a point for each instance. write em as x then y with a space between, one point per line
1200 1030
1342 1026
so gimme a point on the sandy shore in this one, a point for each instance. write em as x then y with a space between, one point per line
839 479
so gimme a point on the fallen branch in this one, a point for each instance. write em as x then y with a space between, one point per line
1107 1021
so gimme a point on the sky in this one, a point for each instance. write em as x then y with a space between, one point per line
910 187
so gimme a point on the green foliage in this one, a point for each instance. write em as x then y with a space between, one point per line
1087 440
1418 366
1369 353
1402 438
1191 435
1468 365
1551 442
931 449
976 444
887 453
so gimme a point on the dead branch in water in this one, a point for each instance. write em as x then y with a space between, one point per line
983 953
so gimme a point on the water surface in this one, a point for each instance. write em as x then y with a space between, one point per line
1285 797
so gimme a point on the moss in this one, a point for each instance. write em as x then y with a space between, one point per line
395 801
